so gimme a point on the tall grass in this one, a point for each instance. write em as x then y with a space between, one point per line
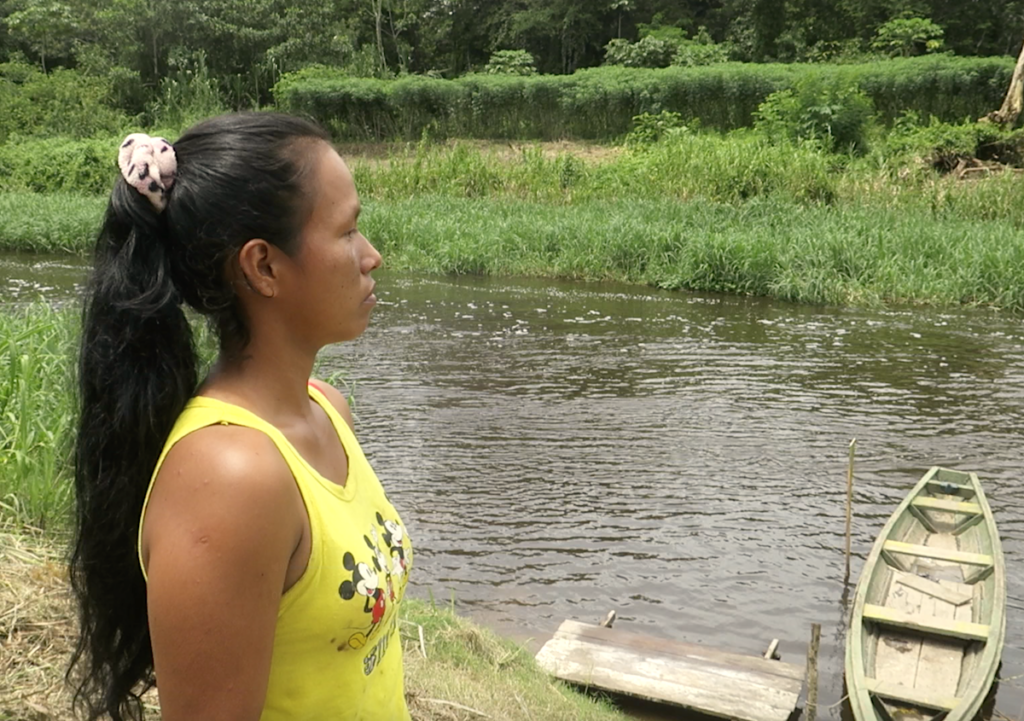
50 222
765 247
36 413
731 168
945 246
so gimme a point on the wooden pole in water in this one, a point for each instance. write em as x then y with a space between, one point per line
812 672
849 505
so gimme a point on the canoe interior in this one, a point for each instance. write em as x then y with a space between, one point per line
924 659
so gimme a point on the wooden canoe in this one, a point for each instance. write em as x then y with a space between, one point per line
929 615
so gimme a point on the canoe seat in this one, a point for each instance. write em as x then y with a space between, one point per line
951 488
896 692
939 554
926 624
938 504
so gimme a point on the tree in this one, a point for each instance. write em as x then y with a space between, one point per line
1013 104
621 7
45 26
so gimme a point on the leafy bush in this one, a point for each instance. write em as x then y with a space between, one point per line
943 146
691 54
648 52
906 36
649 129
64 102
511 62
701 50
47 165
836 116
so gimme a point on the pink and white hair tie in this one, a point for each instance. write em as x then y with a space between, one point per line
149 165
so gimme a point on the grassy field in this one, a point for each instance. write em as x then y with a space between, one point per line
466 669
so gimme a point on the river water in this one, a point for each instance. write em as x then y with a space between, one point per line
559 450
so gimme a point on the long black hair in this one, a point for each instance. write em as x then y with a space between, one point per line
240 176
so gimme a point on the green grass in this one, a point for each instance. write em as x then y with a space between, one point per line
468 665
941 249
49 223
766 248
36 414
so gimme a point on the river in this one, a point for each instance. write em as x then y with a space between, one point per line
559 449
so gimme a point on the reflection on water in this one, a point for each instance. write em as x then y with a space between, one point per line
559 450
562 449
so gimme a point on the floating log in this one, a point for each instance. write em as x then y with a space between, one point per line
691 676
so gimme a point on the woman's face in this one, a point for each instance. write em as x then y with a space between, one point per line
333 289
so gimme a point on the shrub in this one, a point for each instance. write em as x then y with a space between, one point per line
701 50
648 52
47 165
836 116
649 129
64 102
908 36
511 62
943 146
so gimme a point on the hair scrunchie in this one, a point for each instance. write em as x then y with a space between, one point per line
149 165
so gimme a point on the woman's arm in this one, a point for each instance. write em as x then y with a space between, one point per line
222 524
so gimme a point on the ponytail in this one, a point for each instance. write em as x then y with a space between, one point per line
136 372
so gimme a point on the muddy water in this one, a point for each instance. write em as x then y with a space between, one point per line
559 450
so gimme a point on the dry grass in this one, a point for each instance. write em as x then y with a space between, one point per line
36 627
468 674
374 153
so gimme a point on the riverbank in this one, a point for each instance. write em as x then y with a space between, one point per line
698 211
835 255
458 670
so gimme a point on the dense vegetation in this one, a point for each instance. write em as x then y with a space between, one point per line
144 47
599 103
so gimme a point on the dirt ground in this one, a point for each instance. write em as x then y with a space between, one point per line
588 152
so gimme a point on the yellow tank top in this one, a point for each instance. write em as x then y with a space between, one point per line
337 649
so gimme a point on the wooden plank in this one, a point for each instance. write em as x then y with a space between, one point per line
938 504
896 692
920 624
896 653
661 680
686 679
939 554
678 649
931 588
938 669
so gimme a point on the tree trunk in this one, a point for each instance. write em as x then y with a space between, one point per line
378 13
1014 102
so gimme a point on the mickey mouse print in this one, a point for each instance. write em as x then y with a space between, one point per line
377 576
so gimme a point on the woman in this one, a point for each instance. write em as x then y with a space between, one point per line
258 574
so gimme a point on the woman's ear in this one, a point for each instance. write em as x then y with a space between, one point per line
258 265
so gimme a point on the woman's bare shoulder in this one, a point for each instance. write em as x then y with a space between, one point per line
223 478
336 398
